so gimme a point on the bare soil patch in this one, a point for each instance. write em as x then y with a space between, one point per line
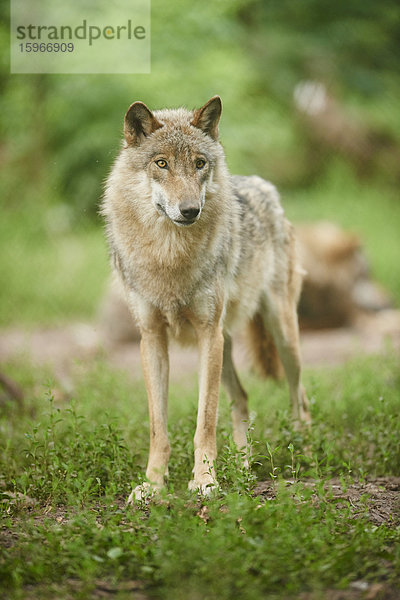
60 348
380 495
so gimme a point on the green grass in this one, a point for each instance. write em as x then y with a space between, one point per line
68 466
49 275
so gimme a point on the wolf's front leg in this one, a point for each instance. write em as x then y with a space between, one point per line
155 362
211 346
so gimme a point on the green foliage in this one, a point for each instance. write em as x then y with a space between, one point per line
50 273
62 132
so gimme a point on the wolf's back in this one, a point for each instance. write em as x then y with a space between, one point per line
260 204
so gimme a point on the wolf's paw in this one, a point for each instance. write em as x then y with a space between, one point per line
304 420
203 488
302 424
143 493
244 456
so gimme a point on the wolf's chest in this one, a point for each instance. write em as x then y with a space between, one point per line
168 289
166 285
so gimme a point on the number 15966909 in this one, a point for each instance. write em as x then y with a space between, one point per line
47 47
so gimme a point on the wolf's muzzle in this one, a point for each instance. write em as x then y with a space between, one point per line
184 215
189 211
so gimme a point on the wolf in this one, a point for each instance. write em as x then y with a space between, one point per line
200 253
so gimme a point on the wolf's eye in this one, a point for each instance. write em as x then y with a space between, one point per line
162 163
200 163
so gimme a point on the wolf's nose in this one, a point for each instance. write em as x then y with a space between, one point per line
189 212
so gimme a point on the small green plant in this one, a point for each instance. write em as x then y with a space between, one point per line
275 470
235 468
294 466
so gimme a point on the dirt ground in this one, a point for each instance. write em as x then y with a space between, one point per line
380 495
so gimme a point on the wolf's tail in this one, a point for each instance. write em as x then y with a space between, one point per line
262 348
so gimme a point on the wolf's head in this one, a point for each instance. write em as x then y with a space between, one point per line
177 150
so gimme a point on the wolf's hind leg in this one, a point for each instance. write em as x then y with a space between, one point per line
237 397
281 320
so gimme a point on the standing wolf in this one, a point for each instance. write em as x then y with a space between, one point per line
200 253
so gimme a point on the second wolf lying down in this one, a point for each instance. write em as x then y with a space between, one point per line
200 253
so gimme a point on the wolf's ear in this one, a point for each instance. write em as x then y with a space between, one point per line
207 117
139 123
